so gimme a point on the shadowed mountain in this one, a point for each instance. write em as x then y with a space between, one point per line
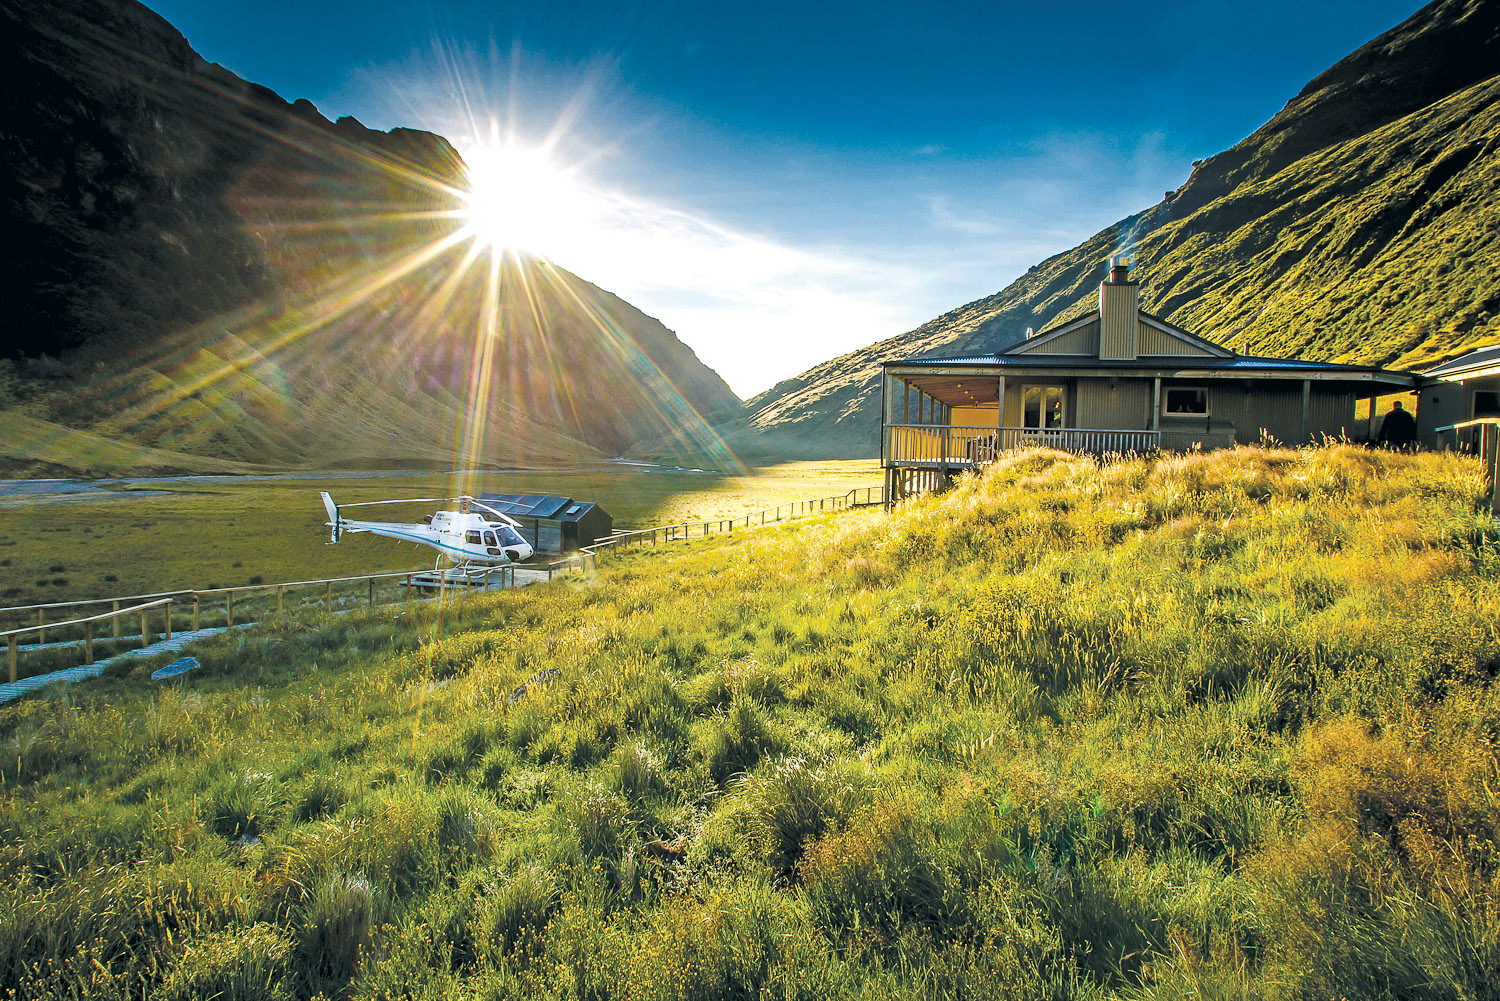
1361 224
201 268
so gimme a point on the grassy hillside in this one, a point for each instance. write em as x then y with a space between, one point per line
212 270
1205 726
1361 224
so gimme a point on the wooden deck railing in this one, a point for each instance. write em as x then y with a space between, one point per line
952 445
1479 437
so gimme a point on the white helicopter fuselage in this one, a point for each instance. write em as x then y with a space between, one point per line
462 536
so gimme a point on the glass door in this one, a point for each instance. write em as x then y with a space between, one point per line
1042 407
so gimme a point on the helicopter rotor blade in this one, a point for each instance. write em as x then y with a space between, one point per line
498 514
407 500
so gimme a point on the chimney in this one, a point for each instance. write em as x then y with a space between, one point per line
1119 322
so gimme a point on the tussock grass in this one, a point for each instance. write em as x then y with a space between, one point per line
1199 726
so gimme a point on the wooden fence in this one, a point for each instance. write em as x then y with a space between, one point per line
180 610
224 606
586 555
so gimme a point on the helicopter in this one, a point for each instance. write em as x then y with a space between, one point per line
474 533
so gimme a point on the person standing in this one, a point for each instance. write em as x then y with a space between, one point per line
1399 429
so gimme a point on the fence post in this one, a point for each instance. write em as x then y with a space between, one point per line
229 608
41 620
280 598
88 642
10 641
197 602
144 643
328 602
372 587
168 609
408 585
114 606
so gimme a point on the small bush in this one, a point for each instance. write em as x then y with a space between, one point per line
636 771
336 925
242 806
521 910
322 796
600 819
241 964
796 801
733 741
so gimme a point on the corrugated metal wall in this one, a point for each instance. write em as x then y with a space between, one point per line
1156 342
1083 341
1118 321
1127 406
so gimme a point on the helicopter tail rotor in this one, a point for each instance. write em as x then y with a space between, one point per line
333 516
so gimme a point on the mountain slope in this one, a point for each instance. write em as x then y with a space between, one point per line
1360 224
211 270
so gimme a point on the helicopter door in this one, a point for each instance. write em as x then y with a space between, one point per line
491 545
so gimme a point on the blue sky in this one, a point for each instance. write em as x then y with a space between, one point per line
784 182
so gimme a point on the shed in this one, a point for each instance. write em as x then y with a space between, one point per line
553 524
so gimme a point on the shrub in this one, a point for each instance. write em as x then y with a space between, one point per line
336 924
242 805
796 801
636 771
514 922
322 796
600 819
465 832
240 964
733 741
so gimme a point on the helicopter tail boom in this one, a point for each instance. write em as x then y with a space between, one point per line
333 516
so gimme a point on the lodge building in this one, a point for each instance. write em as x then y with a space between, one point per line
1114 380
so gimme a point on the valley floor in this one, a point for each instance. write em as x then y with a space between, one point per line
1214 725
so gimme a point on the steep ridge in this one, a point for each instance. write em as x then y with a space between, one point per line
1360 224
210 270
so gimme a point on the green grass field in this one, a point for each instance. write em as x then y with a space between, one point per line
198 535
1211 726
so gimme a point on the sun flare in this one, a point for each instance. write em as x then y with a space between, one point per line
520 199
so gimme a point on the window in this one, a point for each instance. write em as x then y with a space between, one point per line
489 539
1486 403
1185 402
473 539
1042 407
512 537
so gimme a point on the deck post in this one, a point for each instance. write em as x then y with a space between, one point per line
1306 411
1156 404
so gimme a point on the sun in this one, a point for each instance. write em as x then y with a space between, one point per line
520 199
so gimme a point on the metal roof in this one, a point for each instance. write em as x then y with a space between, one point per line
526 505
1487 357
1082 362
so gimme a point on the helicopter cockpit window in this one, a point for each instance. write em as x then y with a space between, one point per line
473 539
511 537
